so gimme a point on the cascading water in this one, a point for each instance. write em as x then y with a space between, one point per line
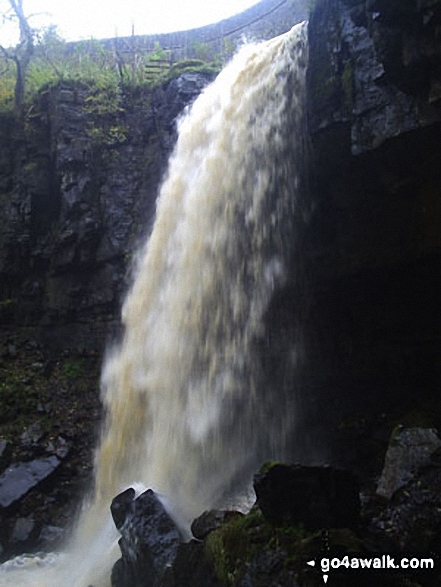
187 413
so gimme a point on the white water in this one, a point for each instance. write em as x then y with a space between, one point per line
186 412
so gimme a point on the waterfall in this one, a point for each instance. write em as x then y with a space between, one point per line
186 411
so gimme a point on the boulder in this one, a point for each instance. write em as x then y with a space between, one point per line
23 529
211 520
149 539
317 497
121 506
409 449
411 520
20 478
31 435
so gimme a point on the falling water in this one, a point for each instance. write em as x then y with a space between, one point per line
187 413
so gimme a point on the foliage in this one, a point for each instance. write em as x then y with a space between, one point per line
21 54
235 544
102 107
201 50
73 368
230 547
191 66
110 73
347 80
19 395
228 49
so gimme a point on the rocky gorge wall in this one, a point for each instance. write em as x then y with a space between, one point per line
370 248
77 195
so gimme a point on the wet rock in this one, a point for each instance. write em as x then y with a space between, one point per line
187 85
191 568
211 520
121 506
409 449
317 497
31 435
358 78
59 447
20 478
149 540
22 529
51 534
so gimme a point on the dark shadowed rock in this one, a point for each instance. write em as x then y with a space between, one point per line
191 568
267 569
51 535
31 435
411 520
20 478
318 497
149 540
58 447
121 505
23 529
409 450
211 520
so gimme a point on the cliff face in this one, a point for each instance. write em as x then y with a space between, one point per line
371 249
78 192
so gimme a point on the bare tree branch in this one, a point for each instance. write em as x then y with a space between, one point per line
21 54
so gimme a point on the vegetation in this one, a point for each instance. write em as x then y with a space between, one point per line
56 393
235 544
191 66
22 54
109 71
240 541
20 394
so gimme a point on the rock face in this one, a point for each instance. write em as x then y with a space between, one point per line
365 320
76 197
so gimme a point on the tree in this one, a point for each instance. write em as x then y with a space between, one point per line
22 53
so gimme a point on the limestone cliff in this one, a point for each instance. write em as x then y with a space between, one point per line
77 193
371 247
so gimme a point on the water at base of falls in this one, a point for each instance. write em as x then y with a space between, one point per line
187 413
